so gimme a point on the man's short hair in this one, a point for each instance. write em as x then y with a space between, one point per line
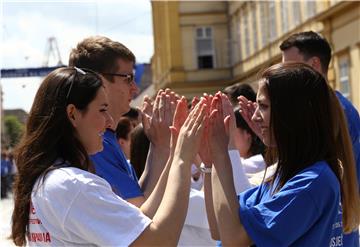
100 54
310 44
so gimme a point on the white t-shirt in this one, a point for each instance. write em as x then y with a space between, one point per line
77 208
241 181
254 164
196 230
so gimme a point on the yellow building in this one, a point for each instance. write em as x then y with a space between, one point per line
203 46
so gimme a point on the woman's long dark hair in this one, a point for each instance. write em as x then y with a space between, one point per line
49 136
309 126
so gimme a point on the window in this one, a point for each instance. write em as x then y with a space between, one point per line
284 16
344 70
296 13
204 47
310 8
272 20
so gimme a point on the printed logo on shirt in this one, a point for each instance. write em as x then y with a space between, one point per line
39 237
37 233
336 241
32 209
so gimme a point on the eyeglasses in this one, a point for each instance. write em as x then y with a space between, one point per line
129 77
78 71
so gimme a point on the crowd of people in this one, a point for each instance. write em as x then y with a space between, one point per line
279 167
8 171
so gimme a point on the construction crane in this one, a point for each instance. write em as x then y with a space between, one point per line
52 50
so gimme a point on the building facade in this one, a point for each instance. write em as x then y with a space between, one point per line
203 46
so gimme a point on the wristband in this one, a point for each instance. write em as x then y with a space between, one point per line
204 169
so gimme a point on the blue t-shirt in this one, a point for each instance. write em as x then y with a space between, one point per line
305 212
353 121
111 165
4 168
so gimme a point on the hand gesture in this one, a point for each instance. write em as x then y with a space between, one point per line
218 138
191 132
157 127
230 127
204 151
247 109
180 116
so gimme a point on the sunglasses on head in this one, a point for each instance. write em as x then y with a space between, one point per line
78 71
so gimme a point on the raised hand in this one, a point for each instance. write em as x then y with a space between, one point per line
218 138
180 116
230 125
247 109
204 151
157 127
190 134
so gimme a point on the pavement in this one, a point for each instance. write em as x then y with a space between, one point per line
6 208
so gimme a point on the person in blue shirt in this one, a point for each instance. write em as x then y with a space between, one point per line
312 197
4 174
115 63
312 48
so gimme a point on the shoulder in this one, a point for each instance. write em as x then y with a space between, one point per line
351 113
316 179
66 180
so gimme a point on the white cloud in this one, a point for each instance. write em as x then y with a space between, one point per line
26 26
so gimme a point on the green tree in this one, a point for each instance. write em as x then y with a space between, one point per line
13 129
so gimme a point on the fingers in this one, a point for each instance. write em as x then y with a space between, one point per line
194 113
156 111
194 102
181 113
226 104
199 116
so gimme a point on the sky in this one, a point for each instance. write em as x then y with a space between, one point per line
27 25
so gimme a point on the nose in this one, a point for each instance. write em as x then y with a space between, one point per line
256 117
109 121
134 88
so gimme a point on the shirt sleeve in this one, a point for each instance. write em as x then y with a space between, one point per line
267 223
241 181
102 218
124 186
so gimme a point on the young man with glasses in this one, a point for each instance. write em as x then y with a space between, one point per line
115 63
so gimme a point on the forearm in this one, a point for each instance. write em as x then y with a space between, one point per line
226 205
165 230
210 207
152 203
155 163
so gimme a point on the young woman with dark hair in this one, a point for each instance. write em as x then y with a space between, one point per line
306 202
59 201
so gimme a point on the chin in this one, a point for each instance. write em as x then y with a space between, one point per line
95 151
